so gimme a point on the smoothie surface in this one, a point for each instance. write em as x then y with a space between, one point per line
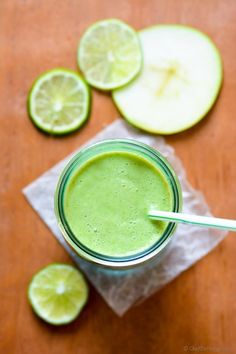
106 201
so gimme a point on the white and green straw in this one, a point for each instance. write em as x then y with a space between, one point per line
204 221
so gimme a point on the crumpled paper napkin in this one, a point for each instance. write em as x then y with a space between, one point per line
189 244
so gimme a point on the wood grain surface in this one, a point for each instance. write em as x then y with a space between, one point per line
197 311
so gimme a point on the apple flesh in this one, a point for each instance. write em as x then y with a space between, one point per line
179 82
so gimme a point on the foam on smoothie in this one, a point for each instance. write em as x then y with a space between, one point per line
106 202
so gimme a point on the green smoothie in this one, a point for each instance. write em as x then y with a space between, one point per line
106 201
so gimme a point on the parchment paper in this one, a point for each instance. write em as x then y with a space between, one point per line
189 244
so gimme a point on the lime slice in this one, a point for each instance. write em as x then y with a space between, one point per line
58 293
179 83
59 101
109 54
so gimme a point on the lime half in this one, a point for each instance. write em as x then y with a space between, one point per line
59 101
109 54
58 293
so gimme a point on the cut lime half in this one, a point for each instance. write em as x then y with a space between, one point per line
59 101
109 54
58 293
179 82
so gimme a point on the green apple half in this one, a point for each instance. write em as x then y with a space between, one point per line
179 81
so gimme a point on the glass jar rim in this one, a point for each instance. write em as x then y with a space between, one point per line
116 145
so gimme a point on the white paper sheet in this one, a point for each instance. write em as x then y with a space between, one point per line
189 244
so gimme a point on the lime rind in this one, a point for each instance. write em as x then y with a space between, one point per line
104 68
49 126
58 293
218 84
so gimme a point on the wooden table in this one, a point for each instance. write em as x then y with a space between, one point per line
197 311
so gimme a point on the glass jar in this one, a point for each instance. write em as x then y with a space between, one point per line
118 145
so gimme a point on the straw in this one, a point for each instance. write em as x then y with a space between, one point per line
204 221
